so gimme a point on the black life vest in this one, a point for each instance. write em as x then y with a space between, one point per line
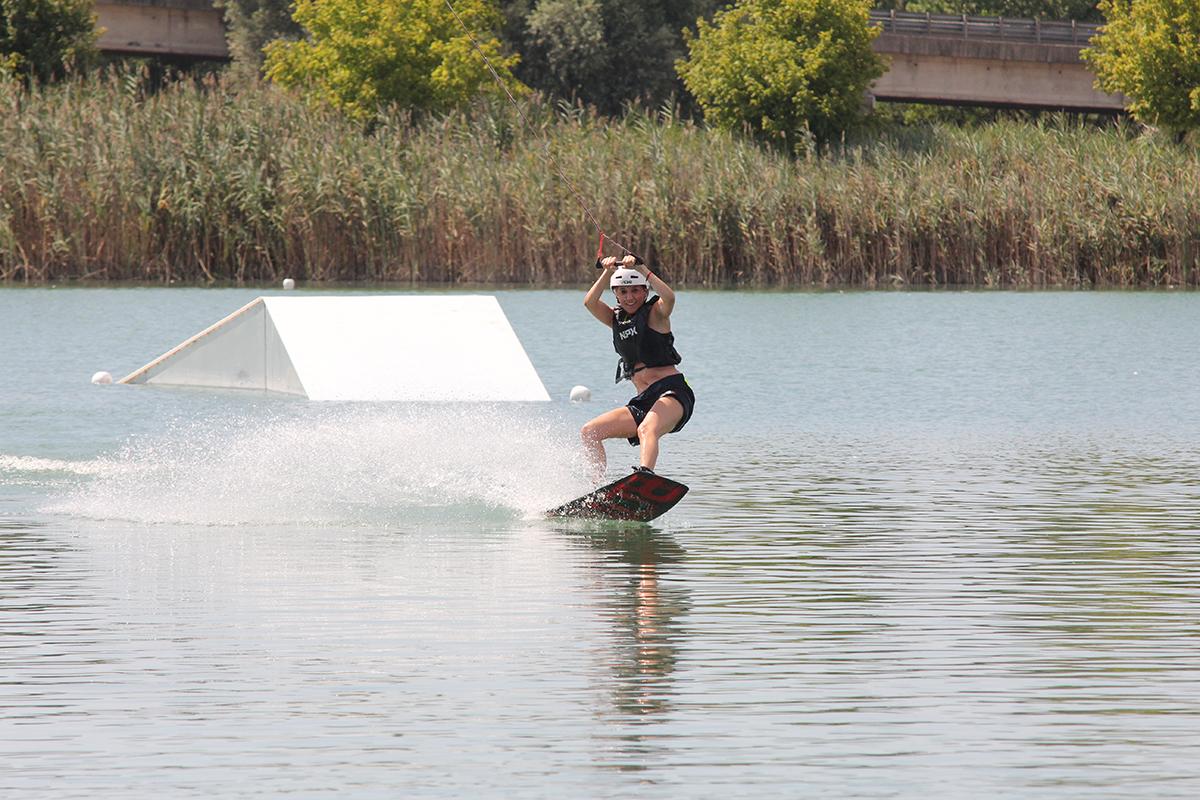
637 343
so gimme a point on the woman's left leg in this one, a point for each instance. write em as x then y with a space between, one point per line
661 419
609 425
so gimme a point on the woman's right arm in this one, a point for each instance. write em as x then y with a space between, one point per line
592 302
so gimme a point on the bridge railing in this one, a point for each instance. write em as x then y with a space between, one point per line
989 28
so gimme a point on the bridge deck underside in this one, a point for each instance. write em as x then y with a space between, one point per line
178 28
929 69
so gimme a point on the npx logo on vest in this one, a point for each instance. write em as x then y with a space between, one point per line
637 343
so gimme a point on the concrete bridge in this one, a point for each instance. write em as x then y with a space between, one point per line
991 61
955 60
184 29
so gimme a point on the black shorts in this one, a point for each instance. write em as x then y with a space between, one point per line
673 385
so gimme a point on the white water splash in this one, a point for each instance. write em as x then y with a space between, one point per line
323 466
12 466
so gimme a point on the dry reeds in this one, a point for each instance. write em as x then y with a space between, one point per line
101 181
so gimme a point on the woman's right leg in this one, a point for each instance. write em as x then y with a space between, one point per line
615 424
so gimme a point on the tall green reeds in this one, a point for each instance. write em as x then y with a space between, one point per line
100 180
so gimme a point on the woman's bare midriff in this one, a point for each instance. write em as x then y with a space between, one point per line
644 377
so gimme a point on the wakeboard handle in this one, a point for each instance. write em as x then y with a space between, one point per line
600 252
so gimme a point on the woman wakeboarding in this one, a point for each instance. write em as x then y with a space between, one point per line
641 327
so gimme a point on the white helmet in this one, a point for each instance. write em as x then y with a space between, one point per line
627 277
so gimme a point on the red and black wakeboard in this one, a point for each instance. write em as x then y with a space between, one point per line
640 496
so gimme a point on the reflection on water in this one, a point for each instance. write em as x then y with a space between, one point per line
48 626
643 607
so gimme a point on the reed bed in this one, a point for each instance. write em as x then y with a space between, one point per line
100 180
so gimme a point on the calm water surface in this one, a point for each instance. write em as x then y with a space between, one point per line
937 545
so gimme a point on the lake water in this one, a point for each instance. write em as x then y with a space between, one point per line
937 545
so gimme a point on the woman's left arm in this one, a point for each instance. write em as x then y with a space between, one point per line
666 294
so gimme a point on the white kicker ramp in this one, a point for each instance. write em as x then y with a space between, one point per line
458 348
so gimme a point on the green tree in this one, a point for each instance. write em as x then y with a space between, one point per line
1149 50
606 53
785 68
362 55
252 24
44 40
570 37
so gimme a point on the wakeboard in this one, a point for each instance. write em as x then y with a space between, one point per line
639 496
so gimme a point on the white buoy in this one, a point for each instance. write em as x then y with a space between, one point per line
102 377
288 283
580 394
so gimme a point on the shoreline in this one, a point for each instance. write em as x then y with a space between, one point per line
580 287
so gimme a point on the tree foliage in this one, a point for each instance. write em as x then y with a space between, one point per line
362 55
1149 50
570 37
606 53
44 40
785 68
251 25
